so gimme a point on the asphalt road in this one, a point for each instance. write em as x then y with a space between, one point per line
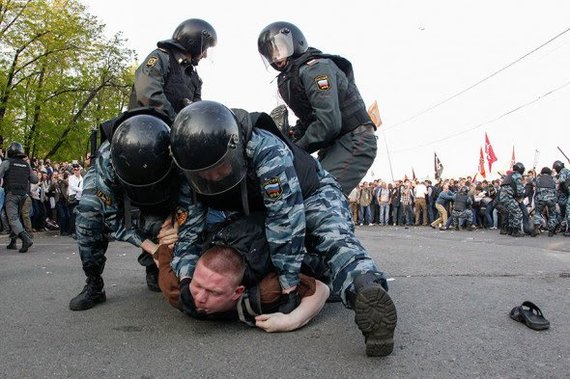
453 292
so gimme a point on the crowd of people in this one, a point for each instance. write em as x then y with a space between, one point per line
541 202
49 203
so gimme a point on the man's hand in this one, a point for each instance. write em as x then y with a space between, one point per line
273 322
168 234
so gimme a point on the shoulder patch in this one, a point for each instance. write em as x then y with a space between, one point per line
151 61
106 199
181 216
272 188
322 82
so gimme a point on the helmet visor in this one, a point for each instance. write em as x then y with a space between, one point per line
278 48
219 177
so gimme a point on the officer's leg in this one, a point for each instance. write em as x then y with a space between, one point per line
567 210
354 275
93 242
13 203
516 217
552 217
350 157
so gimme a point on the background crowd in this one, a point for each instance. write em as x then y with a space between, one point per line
51 201
413 202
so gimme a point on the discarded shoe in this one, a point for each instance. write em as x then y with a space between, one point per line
530 315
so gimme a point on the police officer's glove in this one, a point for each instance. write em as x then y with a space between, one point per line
289 302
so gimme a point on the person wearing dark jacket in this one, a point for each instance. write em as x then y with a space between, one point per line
17 175
321 91
167 80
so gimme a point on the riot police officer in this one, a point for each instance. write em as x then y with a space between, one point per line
134 167
545 198
563 194
17 175
321 91
168 80
510 195
241 162
462 210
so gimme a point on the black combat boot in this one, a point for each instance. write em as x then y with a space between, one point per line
152 278
375 314
26 242
504 229
91 295
517 233
535 231
12 244
550 232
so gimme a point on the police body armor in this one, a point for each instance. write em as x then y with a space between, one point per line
292 91
545 181
305 166
182 84
17 177
460 203
508 181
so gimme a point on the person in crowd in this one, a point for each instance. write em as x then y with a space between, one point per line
17 176
563 180
545 200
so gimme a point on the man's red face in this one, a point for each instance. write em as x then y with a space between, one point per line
213 292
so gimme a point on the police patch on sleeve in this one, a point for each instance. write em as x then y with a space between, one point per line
323 82
106 199
181 216
272 188
151 61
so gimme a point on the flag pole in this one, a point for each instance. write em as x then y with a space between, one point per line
388 154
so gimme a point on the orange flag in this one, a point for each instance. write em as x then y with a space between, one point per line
481 163
374 114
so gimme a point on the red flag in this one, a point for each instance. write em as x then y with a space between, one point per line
491 157
482 163
512 159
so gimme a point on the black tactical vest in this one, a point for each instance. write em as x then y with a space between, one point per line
17 179
181 83
508 181
460 203
293 93
545 181
305 166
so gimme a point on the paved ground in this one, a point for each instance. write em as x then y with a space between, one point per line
453 292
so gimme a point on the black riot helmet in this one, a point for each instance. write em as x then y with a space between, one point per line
16 150
193 36
281 40
557 166
519 167
206 144
140 156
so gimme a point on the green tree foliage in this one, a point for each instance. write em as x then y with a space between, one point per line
59 76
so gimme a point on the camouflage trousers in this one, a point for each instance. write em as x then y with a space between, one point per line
92 233
330 234
460 216
540 206
564 215
513 212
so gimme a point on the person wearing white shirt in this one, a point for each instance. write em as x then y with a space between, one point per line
74 191
420 192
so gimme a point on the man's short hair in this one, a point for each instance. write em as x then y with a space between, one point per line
226 261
